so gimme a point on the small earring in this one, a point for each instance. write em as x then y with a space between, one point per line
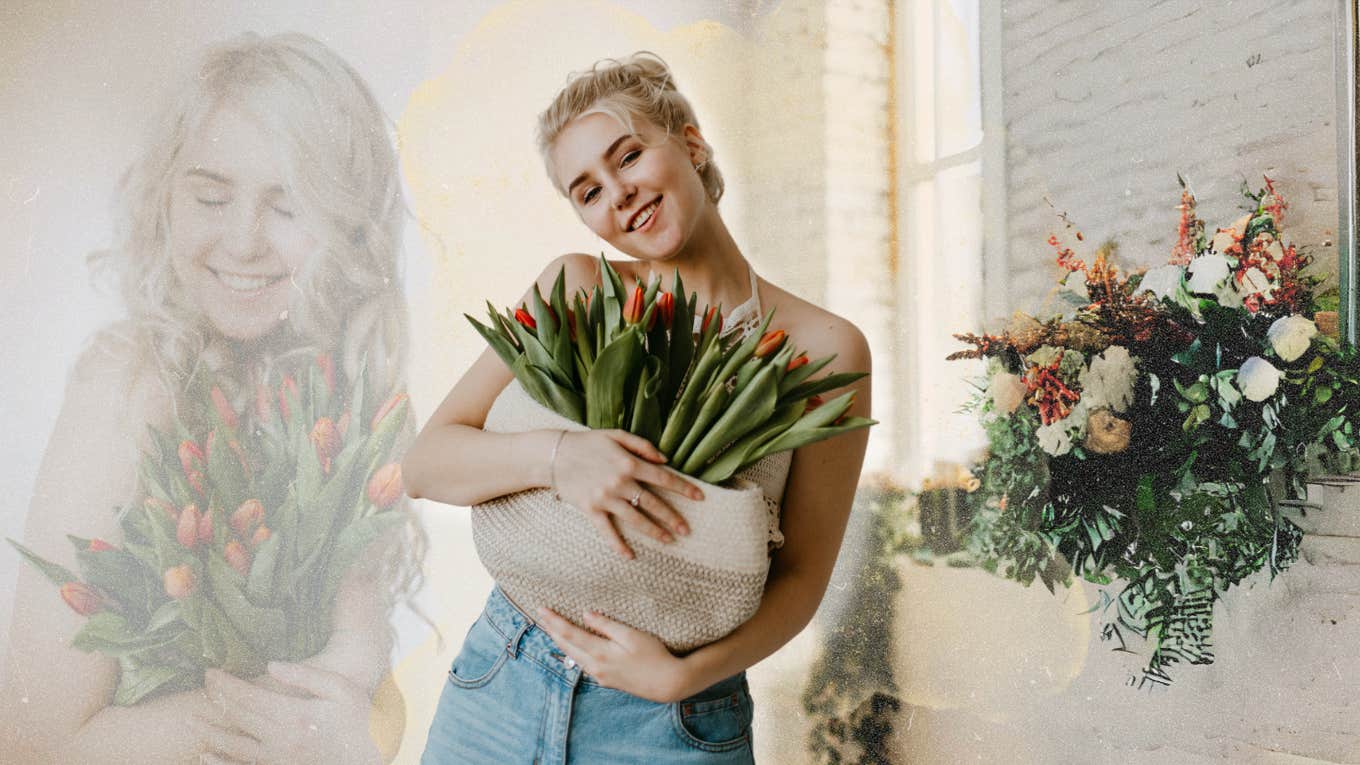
699 168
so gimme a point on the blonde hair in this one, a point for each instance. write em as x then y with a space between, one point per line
343 173
640 85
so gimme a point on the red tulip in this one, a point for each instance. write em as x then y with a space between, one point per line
327 365
224 409
524 317
246 517
709 316
194 462
384 488
326 438
665 306
99 545
813 402
634 308
240 453
260 536
237 557
288 388
797 361
186 531
386 409
205 527
179 581
81 598
770 342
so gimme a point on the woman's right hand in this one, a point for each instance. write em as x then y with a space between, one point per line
601 472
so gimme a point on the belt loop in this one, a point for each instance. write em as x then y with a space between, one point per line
512 645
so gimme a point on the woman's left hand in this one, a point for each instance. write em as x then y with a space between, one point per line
625 658
319 717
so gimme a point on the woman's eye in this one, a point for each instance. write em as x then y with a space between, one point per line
590 195
630 157
212 201
282 211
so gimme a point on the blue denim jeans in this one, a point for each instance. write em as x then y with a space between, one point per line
513 697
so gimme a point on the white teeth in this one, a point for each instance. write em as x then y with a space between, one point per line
244 283
644 216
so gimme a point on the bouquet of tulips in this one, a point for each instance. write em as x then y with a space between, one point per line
236 554
1151 432
620 358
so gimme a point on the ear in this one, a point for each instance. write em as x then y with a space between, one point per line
698 148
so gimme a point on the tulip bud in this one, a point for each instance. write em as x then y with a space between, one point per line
81 598
797 361
770 342
386 409
237 557
665 306
848 406
193 461
224 410
240 453
813 402
287 389
326 438
99 545
525 318
260 536
205 527
264 408
571 323
384 488
179 581
158 505
186 531
343 425
634 308
246 517
710 315
327 365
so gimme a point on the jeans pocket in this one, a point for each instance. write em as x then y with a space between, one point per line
481 657
716 725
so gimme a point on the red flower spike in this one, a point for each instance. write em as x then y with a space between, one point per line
223 408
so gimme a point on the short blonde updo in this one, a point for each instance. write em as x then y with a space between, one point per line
640 85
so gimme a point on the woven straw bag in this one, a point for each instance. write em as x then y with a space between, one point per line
693 591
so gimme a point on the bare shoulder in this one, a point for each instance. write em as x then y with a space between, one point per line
815 329
112 384
580 270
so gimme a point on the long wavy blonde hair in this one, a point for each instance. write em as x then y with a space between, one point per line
343 173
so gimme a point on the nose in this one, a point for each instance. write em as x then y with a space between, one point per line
622 192
244 238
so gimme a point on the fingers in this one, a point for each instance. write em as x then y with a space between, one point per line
318 682
605 523
637 445
615 631
579 644
225 742
641 522
666 479
242 704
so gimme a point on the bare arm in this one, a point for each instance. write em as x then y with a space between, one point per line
56 702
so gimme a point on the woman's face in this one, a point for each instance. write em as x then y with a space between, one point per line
236 238
636 190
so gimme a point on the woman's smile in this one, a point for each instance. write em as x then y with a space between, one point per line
642 219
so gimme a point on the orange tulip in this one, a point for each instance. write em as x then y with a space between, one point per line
99 545
665 306
386 409
327 365
326 438
81 598
224 409
237 557
525 318
247 517
797 361
287 389
179 581
186 531
813 402
634 308
194 462
260 536
770 342
205 527
384 488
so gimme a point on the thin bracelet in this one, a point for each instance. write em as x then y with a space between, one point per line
552 465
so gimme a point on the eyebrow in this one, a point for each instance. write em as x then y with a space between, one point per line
210 175
606 154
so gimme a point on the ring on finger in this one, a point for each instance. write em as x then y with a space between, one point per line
637 497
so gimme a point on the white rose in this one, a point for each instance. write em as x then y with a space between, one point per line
1206 273
1258 379
1006 391
1290 336
1255 282
1110 379
1057 437
1162 281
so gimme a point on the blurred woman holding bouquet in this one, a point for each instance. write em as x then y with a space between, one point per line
624 147
260 240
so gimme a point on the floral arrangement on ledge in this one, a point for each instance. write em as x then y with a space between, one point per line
1149 434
